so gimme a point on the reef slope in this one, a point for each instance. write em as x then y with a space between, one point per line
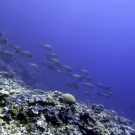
37 112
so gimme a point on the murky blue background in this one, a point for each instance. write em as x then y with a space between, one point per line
96 35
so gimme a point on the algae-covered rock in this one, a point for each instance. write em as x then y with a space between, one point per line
68 99
4 93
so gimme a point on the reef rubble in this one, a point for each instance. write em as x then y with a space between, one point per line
36 112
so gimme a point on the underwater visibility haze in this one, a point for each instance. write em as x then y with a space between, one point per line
97 36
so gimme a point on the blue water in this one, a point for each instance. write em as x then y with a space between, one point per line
94 35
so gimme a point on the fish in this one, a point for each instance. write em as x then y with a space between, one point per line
77 77
73 85
1 34
110 93
56 71
104 95
66 68
52 55
83 71
87 100
3 41
100 85
16 48
32 65
88 78
47 47
133 107
25 53
51 68
121 112
87 93
48 66
88 85
106 87
54 61
6 53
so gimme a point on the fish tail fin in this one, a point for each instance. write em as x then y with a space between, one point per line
80 78
60 64
46 54
70 74
42 63
17 51
11 45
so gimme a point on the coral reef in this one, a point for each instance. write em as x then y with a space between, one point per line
37 112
